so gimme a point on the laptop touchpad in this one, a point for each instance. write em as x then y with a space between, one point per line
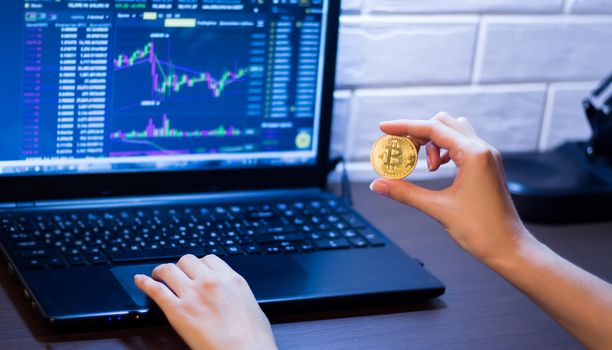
125 275
270 277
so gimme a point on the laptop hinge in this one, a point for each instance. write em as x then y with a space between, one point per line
9 206
345 183
25 204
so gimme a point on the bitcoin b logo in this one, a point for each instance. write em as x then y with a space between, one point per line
392 157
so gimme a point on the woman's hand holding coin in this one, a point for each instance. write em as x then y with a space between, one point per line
478 198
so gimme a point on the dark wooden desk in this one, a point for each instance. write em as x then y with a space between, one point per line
478 311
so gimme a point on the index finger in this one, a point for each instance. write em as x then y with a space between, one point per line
216 263
442 135
157 291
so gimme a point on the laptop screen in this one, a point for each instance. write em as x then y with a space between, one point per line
166 85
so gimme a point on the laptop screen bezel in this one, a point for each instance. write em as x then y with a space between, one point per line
32 188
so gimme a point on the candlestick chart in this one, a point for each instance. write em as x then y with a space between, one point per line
168 78
199 82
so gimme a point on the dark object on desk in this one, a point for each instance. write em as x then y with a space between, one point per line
572 183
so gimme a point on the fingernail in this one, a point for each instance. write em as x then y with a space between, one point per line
380 187
136 276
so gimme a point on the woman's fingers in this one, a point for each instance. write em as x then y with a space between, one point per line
216 264
444 157
440 134
467 125
463 127
192 266
157 291
433 156
419 142
408 193
173 277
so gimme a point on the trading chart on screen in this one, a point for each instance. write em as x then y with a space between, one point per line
126 84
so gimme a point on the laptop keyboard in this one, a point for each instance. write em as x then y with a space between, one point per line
59 239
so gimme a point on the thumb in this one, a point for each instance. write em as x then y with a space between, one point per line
409 194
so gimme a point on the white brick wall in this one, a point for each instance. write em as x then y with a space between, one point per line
518 69
463 6
385 50
553 48
590 6
514 111
564 119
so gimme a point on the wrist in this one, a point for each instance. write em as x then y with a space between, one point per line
519 247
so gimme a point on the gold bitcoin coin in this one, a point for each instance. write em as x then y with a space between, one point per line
394 157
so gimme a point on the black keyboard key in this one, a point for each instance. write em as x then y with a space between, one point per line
358 242
262 215
306 228
159 254
323 226
33 253
56 261
20 237
76 260
244 240
331 234
271 249
92 250
353 220
349 233
97 259
208 243
316 236
315 204
315 220
251 249
333 219
340 226
216 251
70 250
276 229
326 244
26 245
280 237
298 221
35 263
234 250
306 247
228 242
288 247
10 228
372 238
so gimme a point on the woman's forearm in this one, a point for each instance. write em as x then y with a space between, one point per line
579 301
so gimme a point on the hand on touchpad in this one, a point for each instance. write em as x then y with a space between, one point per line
125 276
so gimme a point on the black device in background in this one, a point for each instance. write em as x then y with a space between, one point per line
138 131
572 183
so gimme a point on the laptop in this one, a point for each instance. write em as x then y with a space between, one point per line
137 131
